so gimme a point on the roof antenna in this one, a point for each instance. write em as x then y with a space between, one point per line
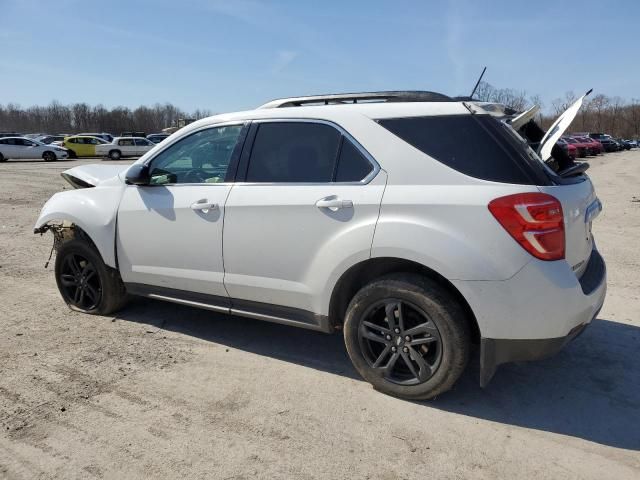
478 83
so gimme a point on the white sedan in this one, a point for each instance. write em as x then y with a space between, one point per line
20 147
124 147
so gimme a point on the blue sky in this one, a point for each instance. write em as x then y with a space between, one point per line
231 55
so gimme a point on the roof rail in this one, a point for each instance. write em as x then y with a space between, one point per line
365 97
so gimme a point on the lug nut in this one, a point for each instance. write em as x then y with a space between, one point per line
405 350
394 349
407 338
397 330
388 337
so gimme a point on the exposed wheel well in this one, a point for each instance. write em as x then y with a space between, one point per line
364 272
63 231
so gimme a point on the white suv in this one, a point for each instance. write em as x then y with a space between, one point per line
416 223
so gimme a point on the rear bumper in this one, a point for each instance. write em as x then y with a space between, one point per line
536 312
495 352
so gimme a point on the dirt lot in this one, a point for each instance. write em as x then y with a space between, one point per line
168 391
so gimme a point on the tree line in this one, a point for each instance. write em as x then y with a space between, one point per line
599 113
81 117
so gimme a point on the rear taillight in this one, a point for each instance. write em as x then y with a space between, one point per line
534 220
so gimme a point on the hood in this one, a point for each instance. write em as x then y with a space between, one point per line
86 176
558 128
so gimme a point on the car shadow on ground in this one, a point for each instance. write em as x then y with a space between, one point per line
590 390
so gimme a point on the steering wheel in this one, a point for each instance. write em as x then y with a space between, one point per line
194 176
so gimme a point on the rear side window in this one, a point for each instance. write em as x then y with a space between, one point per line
293 152
476 145
353 166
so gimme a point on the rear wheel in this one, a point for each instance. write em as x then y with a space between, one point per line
407 336
2 159
114 154
72 154
49 156
85 282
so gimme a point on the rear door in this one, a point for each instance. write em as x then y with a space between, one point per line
306 198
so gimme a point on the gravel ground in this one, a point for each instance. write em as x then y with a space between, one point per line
166 391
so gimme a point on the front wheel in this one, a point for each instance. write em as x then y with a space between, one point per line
2 159
48 156
86 284
407 336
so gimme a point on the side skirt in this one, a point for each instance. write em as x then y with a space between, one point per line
244 308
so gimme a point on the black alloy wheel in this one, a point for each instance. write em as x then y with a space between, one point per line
400 341
80 282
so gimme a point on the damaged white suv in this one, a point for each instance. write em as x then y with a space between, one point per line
417 223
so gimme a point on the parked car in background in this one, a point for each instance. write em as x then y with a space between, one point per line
581 148
107 137
623 144
48 139
157 137
125 147
594 147
10 134
632 143
82 145
608 143
20 147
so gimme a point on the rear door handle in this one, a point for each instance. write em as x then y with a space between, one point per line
204 205
334 203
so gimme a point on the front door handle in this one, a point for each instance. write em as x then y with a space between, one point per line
204 205
334 203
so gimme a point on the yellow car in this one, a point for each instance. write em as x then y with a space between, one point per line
82 145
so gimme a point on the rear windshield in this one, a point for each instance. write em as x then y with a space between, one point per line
476 145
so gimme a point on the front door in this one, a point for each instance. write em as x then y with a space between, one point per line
170 232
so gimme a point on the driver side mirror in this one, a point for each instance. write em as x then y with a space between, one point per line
138 174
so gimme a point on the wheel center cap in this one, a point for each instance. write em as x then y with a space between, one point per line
398 340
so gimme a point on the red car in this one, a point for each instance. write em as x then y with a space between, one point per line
594 146
582 148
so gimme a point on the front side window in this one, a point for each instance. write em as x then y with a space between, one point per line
202 157
128 142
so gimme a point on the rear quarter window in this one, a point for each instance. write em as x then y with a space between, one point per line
476 145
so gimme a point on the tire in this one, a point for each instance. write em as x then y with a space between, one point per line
86 284
115 154
2 159
425 307
72 154
49 156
